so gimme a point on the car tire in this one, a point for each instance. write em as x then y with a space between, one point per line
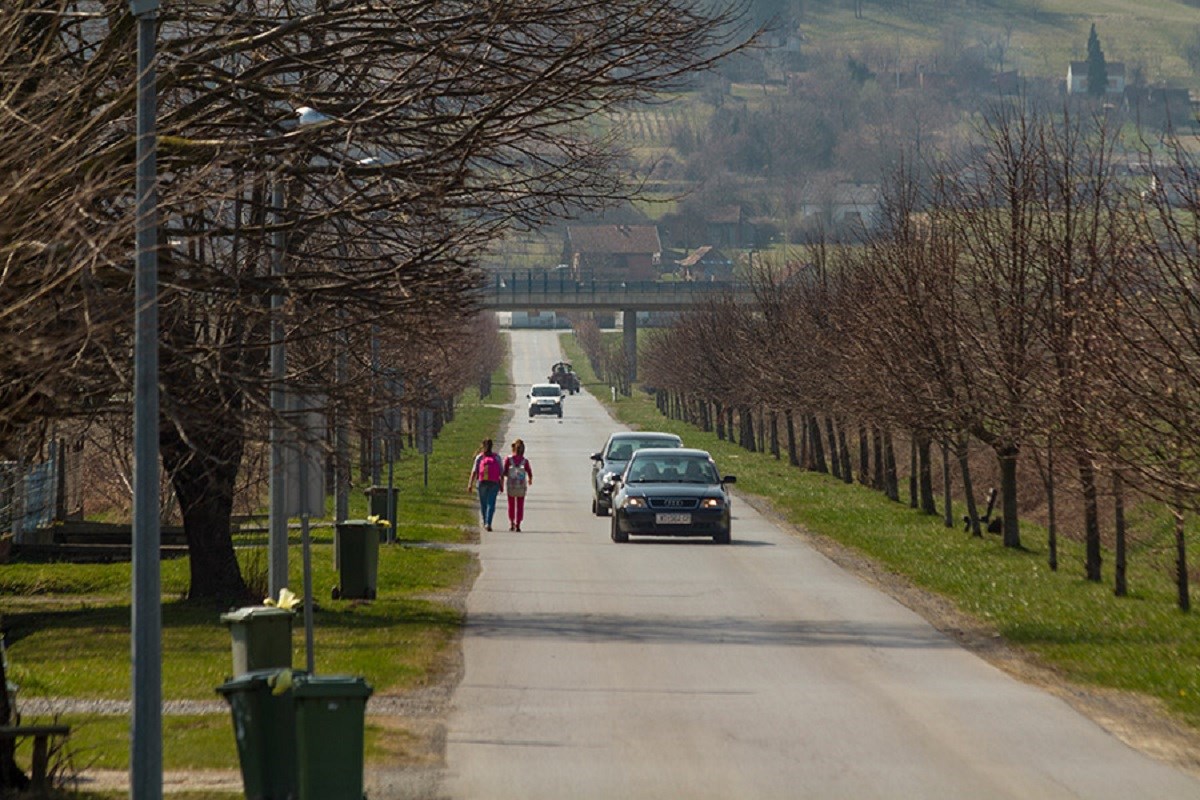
724 537
560 413
595 508
618 535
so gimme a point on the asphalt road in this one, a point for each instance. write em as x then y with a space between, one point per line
684 669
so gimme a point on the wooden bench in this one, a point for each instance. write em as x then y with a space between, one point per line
41 735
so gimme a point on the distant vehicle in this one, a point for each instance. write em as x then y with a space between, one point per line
610 462
672 492
564 375
545 398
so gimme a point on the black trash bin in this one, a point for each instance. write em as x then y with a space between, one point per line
330 717
261 638
357 558
264 725
377 499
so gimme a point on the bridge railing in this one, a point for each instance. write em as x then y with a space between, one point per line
550 287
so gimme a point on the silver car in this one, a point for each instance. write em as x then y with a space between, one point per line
610 462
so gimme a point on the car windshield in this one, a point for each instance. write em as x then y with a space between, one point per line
671 469
546 391
622 449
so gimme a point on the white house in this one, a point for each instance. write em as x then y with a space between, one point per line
1077 77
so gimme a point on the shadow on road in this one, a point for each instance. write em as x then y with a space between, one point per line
707 630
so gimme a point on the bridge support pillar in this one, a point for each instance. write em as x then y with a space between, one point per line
630 323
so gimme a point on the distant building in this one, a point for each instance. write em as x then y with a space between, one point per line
727 226
627 252
705 264
1077 78
851 205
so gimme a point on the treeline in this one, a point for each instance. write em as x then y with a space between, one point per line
328 177
1033 300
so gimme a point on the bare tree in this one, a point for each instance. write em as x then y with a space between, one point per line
439 127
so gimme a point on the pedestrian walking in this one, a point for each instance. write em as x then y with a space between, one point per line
518 476
486 479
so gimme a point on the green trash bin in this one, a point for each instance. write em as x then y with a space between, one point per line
357 559
262 638
264 725
330 715
377 499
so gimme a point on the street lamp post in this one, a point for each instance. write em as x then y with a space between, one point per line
277 521
145 762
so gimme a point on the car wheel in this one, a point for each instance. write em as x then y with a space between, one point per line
595 508
618 536
560 413
603 509
724 537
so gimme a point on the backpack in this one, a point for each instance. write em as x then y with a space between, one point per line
489 468
517 478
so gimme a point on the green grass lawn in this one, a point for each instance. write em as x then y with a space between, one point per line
69 624
1141 643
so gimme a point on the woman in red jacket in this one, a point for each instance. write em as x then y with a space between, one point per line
518 476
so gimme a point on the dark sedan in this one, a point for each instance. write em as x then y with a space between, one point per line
671 492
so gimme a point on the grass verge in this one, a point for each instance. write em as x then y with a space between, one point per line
1141 643
69 624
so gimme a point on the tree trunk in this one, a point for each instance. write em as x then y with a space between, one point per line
962 450
947 498
204 485
815 445
1181 573
879 482
925 475
1008 494
790 421
746 428
774 424
844 450
913 469
1091 517
1120 589
891 475
864 456
1051 511
835 461
720 415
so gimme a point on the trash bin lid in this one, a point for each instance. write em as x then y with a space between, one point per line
247 681
251 612
331 686
355 523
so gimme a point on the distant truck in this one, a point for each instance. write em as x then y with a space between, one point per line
564 375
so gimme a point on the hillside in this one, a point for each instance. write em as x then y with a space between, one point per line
1035 37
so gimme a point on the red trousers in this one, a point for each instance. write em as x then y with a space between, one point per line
516 509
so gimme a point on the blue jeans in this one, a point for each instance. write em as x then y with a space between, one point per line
487 499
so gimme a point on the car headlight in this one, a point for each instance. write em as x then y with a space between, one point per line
635 502
711 502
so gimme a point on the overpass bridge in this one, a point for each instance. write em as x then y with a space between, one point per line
561 290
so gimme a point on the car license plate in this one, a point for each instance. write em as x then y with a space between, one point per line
673 519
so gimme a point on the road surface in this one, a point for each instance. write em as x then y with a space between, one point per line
684 669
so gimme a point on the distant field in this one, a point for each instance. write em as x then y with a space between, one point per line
1041 35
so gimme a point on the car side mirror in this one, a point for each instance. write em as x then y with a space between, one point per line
597 457
528 397
729 479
